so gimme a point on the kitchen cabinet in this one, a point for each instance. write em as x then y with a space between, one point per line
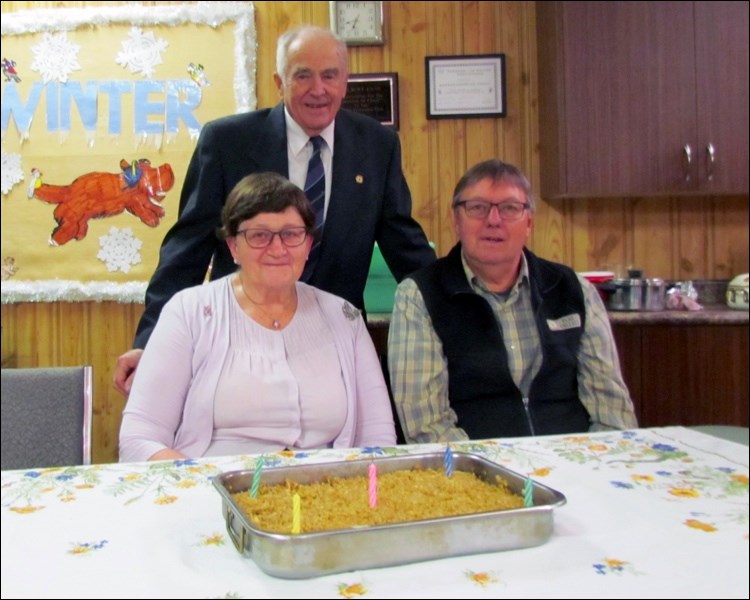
682 374
643 98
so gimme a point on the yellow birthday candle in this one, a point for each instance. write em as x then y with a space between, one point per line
295 513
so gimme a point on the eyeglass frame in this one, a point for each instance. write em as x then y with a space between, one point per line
244 233
525 206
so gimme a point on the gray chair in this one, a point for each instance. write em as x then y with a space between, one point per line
46 417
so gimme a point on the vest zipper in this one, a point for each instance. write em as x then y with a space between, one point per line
528 415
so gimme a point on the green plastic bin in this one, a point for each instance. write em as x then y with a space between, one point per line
380 288
381 285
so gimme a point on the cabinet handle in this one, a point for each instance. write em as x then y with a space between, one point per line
688 153
710 161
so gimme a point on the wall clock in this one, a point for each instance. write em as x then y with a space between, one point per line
358 23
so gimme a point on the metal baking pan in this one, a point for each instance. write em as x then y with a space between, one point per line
321 553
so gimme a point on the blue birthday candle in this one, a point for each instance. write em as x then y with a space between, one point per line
448 460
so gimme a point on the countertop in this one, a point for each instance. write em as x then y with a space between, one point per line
717 314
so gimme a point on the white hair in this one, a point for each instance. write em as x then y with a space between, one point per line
286 39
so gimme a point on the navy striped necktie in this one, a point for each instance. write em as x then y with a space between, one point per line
315 190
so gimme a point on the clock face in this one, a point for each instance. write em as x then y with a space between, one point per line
358 22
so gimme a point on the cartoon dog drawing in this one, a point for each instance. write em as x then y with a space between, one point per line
138 189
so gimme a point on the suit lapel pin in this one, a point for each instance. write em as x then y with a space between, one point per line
359 178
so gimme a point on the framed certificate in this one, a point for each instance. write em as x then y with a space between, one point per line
465 86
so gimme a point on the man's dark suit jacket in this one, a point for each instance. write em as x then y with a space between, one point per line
370 201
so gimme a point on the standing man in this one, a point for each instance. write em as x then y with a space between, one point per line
364 197
493 341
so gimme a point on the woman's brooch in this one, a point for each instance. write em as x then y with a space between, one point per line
350 312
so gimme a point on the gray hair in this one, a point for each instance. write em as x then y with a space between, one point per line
290 35
497 171
263 192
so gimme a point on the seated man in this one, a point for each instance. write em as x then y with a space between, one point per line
493 341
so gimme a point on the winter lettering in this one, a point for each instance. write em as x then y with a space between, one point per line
158 106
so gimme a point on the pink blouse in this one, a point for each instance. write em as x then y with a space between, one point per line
278 389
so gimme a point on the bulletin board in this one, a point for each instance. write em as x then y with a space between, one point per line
101 110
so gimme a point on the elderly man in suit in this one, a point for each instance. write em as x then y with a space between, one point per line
367 199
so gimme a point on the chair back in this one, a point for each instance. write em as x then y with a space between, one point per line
46 417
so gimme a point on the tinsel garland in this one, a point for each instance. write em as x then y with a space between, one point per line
57 290
212 14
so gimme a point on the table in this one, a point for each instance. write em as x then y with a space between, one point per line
650 513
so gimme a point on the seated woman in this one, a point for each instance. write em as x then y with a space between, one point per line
257 361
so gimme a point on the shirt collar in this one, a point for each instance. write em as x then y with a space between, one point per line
297 138
521 280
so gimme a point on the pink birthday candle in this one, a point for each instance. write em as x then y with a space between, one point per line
373 485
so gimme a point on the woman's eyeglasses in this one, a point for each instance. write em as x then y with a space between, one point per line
260 238
480 209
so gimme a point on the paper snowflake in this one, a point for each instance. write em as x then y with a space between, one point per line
142 52
55 57
12 172
120 249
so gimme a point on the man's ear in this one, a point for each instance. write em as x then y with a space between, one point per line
279 83
454 220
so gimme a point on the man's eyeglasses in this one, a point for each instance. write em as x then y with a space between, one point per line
479 209
291 237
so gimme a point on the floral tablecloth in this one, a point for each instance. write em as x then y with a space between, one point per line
650 513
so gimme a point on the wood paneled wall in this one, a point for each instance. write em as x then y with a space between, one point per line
676 238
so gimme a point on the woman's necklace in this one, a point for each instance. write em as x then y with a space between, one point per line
275 323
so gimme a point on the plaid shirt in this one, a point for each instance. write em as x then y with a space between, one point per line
419 371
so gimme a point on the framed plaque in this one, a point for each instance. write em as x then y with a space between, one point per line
465 86
375 95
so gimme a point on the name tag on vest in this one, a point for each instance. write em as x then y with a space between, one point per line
567 322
